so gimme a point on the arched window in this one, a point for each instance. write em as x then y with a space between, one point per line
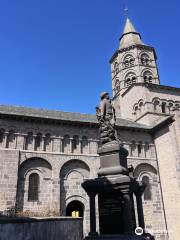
1 136
170 106
130 79
146 149
147 192
156 105
163 107
75 143
145 59
33 190
38 140
139 148
133 148
66 144
10 139
29 140
140 107
128 61
47 142
148 77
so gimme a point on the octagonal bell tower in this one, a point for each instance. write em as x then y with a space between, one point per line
133 63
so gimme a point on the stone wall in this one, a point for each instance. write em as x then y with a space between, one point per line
62 172
168 157
41 229
9 163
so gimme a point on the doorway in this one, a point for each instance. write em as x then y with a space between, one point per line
75 209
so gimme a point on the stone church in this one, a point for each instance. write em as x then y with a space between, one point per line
45 155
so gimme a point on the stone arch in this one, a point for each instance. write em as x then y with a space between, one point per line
128 60
148 174
73 164
156 104
75 209
44 170
66 144
10 141
75 144
144 58
130 77
144 168
38 142
76 198
170 105
72 174
47 143
147 75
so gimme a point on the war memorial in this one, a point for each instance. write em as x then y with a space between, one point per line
74 176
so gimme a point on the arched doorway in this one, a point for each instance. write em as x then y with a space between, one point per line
75 209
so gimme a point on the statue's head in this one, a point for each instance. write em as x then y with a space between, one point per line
104 95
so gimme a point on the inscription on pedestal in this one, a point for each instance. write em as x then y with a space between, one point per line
110 213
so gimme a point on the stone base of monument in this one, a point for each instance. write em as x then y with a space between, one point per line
115 188
121 237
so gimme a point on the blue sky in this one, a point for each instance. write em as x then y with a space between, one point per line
55 53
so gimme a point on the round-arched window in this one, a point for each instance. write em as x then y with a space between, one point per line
145 59
147 191
128 61
130 79
33 190
148 77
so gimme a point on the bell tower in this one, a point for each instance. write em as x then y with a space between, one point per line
134 63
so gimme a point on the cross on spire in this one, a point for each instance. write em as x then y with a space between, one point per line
126 12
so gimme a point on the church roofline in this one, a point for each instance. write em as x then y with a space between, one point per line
164 122
151 86
51 116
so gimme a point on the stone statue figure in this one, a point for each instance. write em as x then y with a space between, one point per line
106 117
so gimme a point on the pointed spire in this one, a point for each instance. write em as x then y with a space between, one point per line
129 28
130 36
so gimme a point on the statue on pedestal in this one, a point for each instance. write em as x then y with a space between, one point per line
106 117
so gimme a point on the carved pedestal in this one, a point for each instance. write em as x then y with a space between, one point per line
115 189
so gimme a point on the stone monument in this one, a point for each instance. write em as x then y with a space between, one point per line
115 184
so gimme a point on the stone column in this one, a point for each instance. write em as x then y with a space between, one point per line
140 209
92 196
127 211
21 141
43 142
79 146
33 142
61 144
152 151
56 144
70 145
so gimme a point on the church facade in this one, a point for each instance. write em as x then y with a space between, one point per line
45 155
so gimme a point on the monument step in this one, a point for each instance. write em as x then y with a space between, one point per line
121 237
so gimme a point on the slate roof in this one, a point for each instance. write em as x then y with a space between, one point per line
62 116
